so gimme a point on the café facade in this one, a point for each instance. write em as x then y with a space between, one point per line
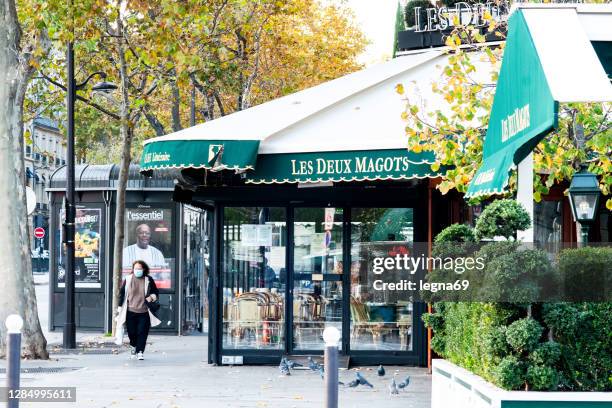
303 193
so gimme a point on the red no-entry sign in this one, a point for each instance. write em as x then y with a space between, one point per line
39 232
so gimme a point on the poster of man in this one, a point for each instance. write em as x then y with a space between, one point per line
149 238
87 240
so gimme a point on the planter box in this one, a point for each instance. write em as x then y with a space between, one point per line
453 386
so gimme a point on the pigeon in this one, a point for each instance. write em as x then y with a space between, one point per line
353 383
283 367
362 380
404 383
381 371
393 387
292 364
313 365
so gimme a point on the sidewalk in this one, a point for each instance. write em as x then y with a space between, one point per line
175 374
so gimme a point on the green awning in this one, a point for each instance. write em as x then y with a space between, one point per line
200 154
391 164
552 56
523 111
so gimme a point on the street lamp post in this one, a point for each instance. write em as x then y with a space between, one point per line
69 338
584 199
331 336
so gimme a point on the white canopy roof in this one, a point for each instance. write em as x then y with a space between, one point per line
359 111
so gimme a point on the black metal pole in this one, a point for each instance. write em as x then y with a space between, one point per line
584 232
13 375
69 340
331 376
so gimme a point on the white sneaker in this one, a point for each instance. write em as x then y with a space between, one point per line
140 356
132 352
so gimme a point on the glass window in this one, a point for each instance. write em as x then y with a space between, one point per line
548 219
380 320
254 277
317 288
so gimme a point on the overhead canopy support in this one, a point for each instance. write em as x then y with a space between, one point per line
549 59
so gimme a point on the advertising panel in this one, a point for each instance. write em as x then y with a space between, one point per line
87 249
148 238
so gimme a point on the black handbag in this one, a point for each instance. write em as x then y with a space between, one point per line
153 306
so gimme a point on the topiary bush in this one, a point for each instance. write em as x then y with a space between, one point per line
456 233
542 378
502 218
523 335
513 274
510 373
547 354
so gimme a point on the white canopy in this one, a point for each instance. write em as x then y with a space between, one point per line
359 111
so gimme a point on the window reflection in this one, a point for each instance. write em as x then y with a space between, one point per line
253 277
380 320
317 262
547 223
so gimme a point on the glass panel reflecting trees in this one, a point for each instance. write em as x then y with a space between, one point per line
317 266
254 277
380 320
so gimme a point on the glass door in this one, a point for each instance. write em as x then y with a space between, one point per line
195 270
317 275
381 321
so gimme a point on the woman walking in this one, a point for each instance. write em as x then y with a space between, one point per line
138 294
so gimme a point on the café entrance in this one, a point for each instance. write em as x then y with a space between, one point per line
287 270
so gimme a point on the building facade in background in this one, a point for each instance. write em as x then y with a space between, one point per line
44 152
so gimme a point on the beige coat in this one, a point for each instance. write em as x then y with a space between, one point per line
121 317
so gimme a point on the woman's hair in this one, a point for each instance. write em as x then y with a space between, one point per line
145 267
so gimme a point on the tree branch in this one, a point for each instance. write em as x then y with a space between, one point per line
80 98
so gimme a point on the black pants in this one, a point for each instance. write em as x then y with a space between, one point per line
138 325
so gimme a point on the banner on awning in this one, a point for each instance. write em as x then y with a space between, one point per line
200 154
312 167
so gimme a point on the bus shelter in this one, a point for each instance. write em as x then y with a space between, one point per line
174 232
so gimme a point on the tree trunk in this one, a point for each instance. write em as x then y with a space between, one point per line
176 106
192 107
126 157
18 295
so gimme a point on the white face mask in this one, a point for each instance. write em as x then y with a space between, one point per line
138 273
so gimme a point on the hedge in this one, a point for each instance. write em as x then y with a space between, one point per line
559 346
